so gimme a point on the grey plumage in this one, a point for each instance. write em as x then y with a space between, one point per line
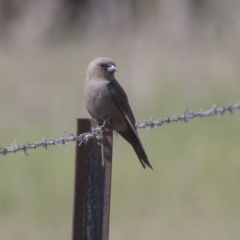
104 97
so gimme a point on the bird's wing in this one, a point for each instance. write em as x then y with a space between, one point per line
119 97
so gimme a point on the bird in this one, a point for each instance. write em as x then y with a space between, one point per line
105 98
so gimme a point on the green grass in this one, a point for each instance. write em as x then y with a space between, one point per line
193 191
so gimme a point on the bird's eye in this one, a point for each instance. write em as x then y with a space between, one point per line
103 65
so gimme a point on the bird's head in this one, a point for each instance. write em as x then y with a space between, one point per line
102 68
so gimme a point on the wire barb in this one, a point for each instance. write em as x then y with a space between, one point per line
188 115
96 133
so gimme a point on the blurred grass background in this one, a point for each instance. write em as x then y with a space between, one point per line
170 55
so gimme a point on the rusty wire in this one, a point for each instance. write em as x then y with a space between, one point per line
97 132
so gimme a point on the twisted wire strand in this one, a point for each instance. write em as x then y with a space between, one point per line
97 132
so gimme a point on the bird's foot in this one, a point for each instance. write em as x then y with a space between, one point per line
107 121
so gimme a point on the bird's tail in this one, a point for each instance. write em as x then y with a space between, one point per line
137 146
134 140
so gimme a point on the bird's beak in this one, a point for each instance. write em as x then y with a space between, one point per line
112 68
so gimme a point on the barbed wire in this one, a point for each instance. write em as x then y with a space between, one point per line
188 115
82 138
97 132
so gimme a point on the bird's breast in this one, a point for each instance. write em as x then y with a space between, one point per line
100 105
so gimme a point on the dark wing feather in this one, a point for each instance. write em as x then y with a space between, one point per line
119 97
